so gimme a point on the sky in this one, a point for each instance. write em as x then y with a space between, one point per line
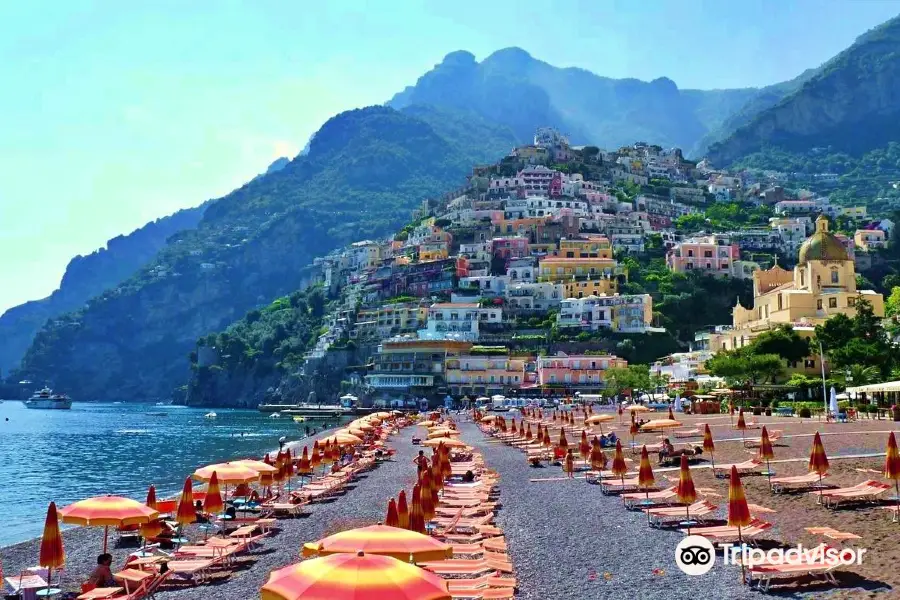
113 114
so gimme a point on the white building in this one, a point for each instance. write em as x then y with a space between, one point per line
631 313
458 321
537 296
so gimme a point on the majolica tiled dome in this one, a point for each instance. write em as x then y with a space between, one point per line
822 245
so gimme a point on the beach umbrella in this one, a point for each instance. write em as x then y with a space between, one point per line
618 465
766 452
428 496
288 467
528 434
392 520
436 479
315 459
671 416
446 442
621 412
738 511
563 442
227 473
402 511
892 468
106 511
186 513
741 424
660 424
51 553
151 497
446 469
709 445
833 403
212 502
636 408
633 430
599 420
685 493
304 468
513 428
818 461
547 441
416 516
259 466
645 475
598 457
383 540
584 447
354 576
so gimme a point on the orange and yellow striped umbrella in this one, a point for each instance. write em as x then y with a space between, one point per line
685 493
619 467
738 511
584 447
212 503
383 540
741 424
892 468
343 439
315 458
818 461
257 465
391 519
766 452
106 511
546 441
598 457
563 442
356 576
528 435
671 414
645 472
428 495
416 515
227 473
448 442
151 497
402 511
186 513
51 554
709 445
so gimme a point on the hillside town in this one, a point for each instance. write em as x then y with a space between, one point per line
508 285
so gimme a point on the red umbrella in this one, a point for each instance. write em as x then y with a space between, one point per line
766 452
645 475
584 447
392 519
416 518
818 461
619 467
741 424
402 511
51 554
892 467
708 445
151 497
671 415
685 492
598 457
738 511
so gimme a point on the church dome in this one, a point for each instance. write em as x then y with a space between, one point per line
822 245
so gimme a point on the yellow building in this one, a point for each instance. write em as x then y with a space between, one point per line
591 287
869 239
390 319
597 246
560 269
823 284
484 374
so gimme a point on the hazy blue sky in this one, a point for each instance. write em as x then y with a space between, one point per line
116 113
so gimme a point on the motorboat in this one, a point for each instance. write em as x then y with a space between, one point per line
47 400
210 415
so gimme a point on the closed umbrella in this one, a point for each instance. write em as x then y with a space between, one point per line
833 404
304 468
741 424
151 497
315 458
416 516
685 493
392 520
766 452
818 461
709 445
584 447
671 416
598 457
528 435
892 468
645 475
429 498
402 511
633 430
354 576
618 465
738 511
51 554
213 503
186 513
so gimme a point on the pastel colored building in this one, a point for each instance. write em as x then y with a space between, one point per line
590 287
712 254
459 320
557 268
583 371
478 375
413 367
870 239
591 246
629 313
507 248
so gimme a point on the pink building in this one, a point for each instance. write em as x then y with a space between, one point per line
509 247
714 254
576 370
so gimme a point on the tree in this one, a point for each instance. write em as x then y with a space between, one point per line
782 341
857 341
745 367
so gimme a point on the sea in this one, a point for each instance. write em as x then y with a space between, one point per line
117 448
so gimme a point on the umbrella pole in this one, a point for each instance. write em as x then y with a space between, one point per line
769 474
105 537
820 488
687 514
741 542
897 512
647 501
49 579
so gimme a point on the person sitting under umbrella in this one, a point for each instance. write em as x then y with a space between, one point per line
666 450
102 575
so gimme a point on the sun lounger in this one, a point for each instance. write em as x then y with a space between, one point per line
483 594
456 566
461 523
796 483
696 511
194 570
480 583
464 502
744 468
774 436
285 509
638 500
687 433
610 487
726 533
867 491
767 572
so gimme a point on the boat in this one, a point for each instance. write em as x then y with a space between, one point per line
299 419
210 415
275 415
46 399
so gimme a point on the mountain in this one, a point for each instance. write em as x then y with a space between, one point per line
512 88
364 173
849 105
88 276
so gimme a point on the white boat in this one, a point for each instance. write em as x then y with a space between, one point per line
46 399
275 415
210 415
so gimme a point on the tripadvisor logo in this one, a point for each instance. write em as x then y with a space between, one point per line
695 555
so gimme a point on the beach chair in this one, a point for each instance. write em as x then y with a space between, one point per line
483 594
664 515
765 573
867 491
748 467
724 533
609 487
774 436
687 433
194 571
480 583
638 500
798 483
463 567
148 587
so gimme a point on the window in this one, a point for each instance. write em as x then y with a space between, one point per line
802 278
690 253
819 304
707 254
809 363
834 276
851 302
832 303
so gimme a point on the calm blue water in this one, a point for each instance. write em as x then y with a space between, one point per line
119 449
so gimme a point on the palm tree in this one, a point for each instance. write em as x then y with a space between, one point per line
860 375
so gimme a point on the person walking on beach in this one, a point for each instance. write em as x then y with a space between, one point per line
569 465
